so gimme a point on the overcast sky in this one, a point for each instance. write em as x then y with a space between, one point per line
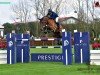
6 12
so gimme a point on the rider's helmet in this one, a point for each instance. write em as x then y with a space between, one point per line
49 10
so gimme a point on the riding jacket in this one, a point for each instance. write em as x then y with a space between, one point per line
52 15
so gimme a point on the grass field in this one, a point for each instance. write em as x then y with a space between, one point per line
48 68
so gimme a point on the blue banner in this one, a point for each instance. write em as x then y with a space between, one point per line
46 57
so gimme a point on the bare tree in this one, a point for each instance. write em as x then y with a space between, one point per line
79 7
22 10
41 6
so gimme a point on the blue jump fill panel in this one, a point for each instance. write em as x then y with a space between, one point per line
67 48
22 47
81 47
11 51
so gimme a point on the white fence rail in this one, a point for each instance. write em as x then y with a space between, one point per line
3 56
95 57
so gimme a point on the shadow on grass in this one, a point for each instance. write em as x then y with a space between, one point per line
90 69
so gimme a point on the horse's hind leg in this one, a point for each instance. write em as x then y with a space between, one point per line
58 35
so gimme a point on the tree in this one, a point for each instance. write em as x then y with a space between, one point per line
22 10
41 6
33 28
79 6
8 28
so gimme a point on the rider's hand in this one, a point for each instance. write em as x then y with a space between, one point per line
48 15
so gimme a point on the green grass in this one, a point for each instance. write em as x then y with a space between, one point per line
45 50
47 68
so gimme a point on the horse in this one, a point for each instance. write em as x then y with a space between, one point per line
49 25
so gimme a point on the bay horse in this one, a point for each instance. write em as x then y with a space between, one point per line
49 25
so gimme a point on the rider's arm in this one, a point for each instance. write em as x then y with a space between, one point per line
49 14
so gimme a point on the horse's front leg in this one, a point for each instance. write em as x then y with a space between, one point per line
53 28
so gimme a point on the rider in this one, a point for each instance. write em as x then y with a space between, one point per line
52 15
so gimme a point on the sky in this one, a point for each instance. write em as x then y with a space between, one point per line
6 12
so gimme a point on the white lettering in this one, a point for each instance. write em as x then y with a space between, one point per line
58 57
49 57
40 57
46 57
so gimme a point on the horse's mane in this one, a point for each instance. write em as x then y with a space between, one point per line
46 20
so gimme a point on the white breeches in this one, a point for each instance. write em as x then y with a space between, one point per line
57 19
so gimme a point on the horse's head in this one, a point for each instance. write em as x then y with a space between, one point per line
44 20
48 23
44 23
